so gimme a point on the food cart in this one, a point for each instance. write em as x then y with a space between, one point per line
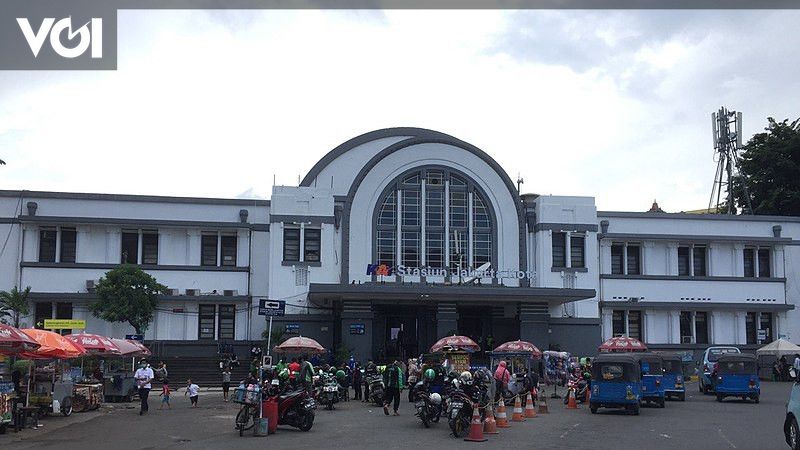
50 383
6 404
119 384
455 351
87 396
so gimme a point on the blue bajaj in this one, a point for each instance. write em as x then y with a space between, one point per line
652 367
736 376
616 383
673 383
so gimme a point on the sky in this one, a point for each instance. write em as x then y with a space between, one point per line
611 104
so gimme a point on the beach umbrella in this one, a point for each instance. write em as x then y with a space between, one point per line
300 344
519 347
52 345
13 341
130 348
456 343
95 344
622 344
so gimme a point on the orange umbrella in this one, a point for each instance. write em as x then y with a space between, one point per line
300 344
53 345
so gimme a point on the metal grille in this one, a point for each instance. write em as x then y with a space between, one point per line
301 276
569 279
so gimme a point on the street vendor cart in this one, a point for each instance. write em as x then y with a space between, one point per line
524 364
87 396
6 405
50 384
119 384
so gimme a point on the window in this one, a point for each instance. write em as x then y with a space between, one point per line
617 255
434 208
458 249
618 322
749 262
312 238
757 262
226 325
385 247
765 327
130 247
750 328
576 246
411 246
291 244
205 322
434 249
559 249
208 250
47 245
634 259
458 209
480 214
43 310
701 327
228 246
687 337
63 311
149 247
763 262
692 260
68 245
635 325
434 178
699 261
410 209
684 261
482 248
388 212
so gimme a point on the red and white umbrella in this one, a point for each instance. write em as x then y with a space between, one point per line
519 347
300 344
13 341
130 348
95 344
456 343
622 344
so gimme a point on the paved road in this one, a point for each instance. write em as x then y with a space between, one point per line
700 422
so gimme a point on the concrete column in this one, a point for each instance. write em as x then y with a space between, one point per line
113 245
361 344
446 319
674 327
672 258
738 260
242 248
193 246
647 252
82 244
778 270
567 249
740 327
30 250
605 256
712 325
607 324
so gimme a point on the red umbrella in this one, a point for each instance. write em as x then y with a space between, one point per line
52 345
456 343
300 345
622 344
519 347
95 344
143 351
129 348
13 341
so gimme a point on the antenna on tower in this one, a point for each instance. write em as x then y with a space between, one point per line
520 181
727 133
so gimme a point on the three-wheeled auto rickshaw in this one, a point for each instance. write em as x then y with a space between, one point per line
736 375
652 367
616 382
673 376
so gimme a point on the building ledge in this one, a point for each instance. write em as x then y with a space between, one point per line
697 306
685 278
51 265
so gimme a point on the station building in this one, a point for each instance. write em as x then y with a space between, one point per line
398 237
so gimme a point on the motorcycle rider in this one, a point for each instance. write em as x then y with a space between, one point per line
370 370
393 379
306 375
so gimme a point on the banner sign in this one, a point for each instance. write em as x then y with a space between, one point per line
64 324
267 307
386 270
357 328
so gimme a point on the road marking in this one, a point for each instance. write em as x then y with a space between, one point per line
567 432
726 438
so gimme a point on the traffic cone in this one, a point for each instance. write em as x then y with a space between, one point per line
517 415
490 424
475 428
571 403
530 411
543 405
502 418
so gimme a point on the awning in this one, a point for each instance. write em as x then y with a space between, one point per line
698 306
440 292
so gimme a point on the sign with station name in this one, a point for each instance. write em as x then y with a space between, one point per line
401 270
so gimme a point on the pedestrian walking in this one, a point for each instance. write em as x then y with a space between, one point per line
143 376
165 394
161 372
393 379
501 378
226 383
412 377
306 375
192 390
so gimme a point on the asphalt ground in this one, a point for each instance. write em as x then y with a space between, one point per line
699 422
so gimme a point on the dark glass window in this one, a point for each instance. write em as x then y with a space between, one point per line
68 245
229 248
149 247
43 310
482 248
206 321
458 253
683 261
559 249
763 262
63 311
47 245
226 326
388 211
750 328
208 250
386 247
413 179
701 327
457 181
410 208
618 322
617 252
458 209
480 213
130 247
749 262
576 251
634 260
434 208
686 327
699 261
410 248
291 244
312 242
765 321
635 325
434 249
434 178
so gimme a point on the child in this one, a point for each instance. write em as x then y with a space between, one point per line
192 391
165 394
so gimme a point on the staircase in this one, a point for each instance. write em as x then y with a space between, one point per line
203 370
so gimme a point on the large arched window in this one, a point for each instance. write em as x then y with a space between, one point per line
433 217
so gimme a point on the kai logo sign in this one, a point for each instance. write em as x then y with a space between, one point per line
88 36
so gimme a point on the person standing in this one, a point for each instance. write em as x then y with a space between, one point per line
306 375
226 383
369 370
393 378
357 381
165 394
796 366
501 379
193 391
143 376
412 377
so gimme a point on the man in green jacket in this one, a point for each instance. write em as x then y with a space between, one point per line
393 379
306 375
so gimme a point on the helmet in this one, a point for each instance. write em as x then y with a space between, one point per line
466 377
340 374
284 373
430 374
436 399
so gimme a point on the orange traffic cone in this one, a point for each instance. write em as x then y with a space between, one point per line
530 411
571 402
543 405
490 424
502 418
475 428
517 415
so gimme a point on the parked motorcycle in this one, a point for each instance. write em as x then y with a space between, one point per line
376 389
459 410
428 405
295 407
328 394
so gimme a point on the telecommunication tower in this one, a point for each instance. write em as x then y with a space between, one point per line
727 129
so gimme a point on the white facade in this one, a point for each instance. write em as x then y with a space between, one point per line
559 272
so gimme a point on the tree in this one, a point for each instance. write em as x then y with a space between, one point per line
14 304
127 294
770 165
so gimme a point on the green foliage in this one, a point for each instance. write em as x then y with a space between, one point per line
770 164
14 304
342 354
127 294
278 336
23 365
